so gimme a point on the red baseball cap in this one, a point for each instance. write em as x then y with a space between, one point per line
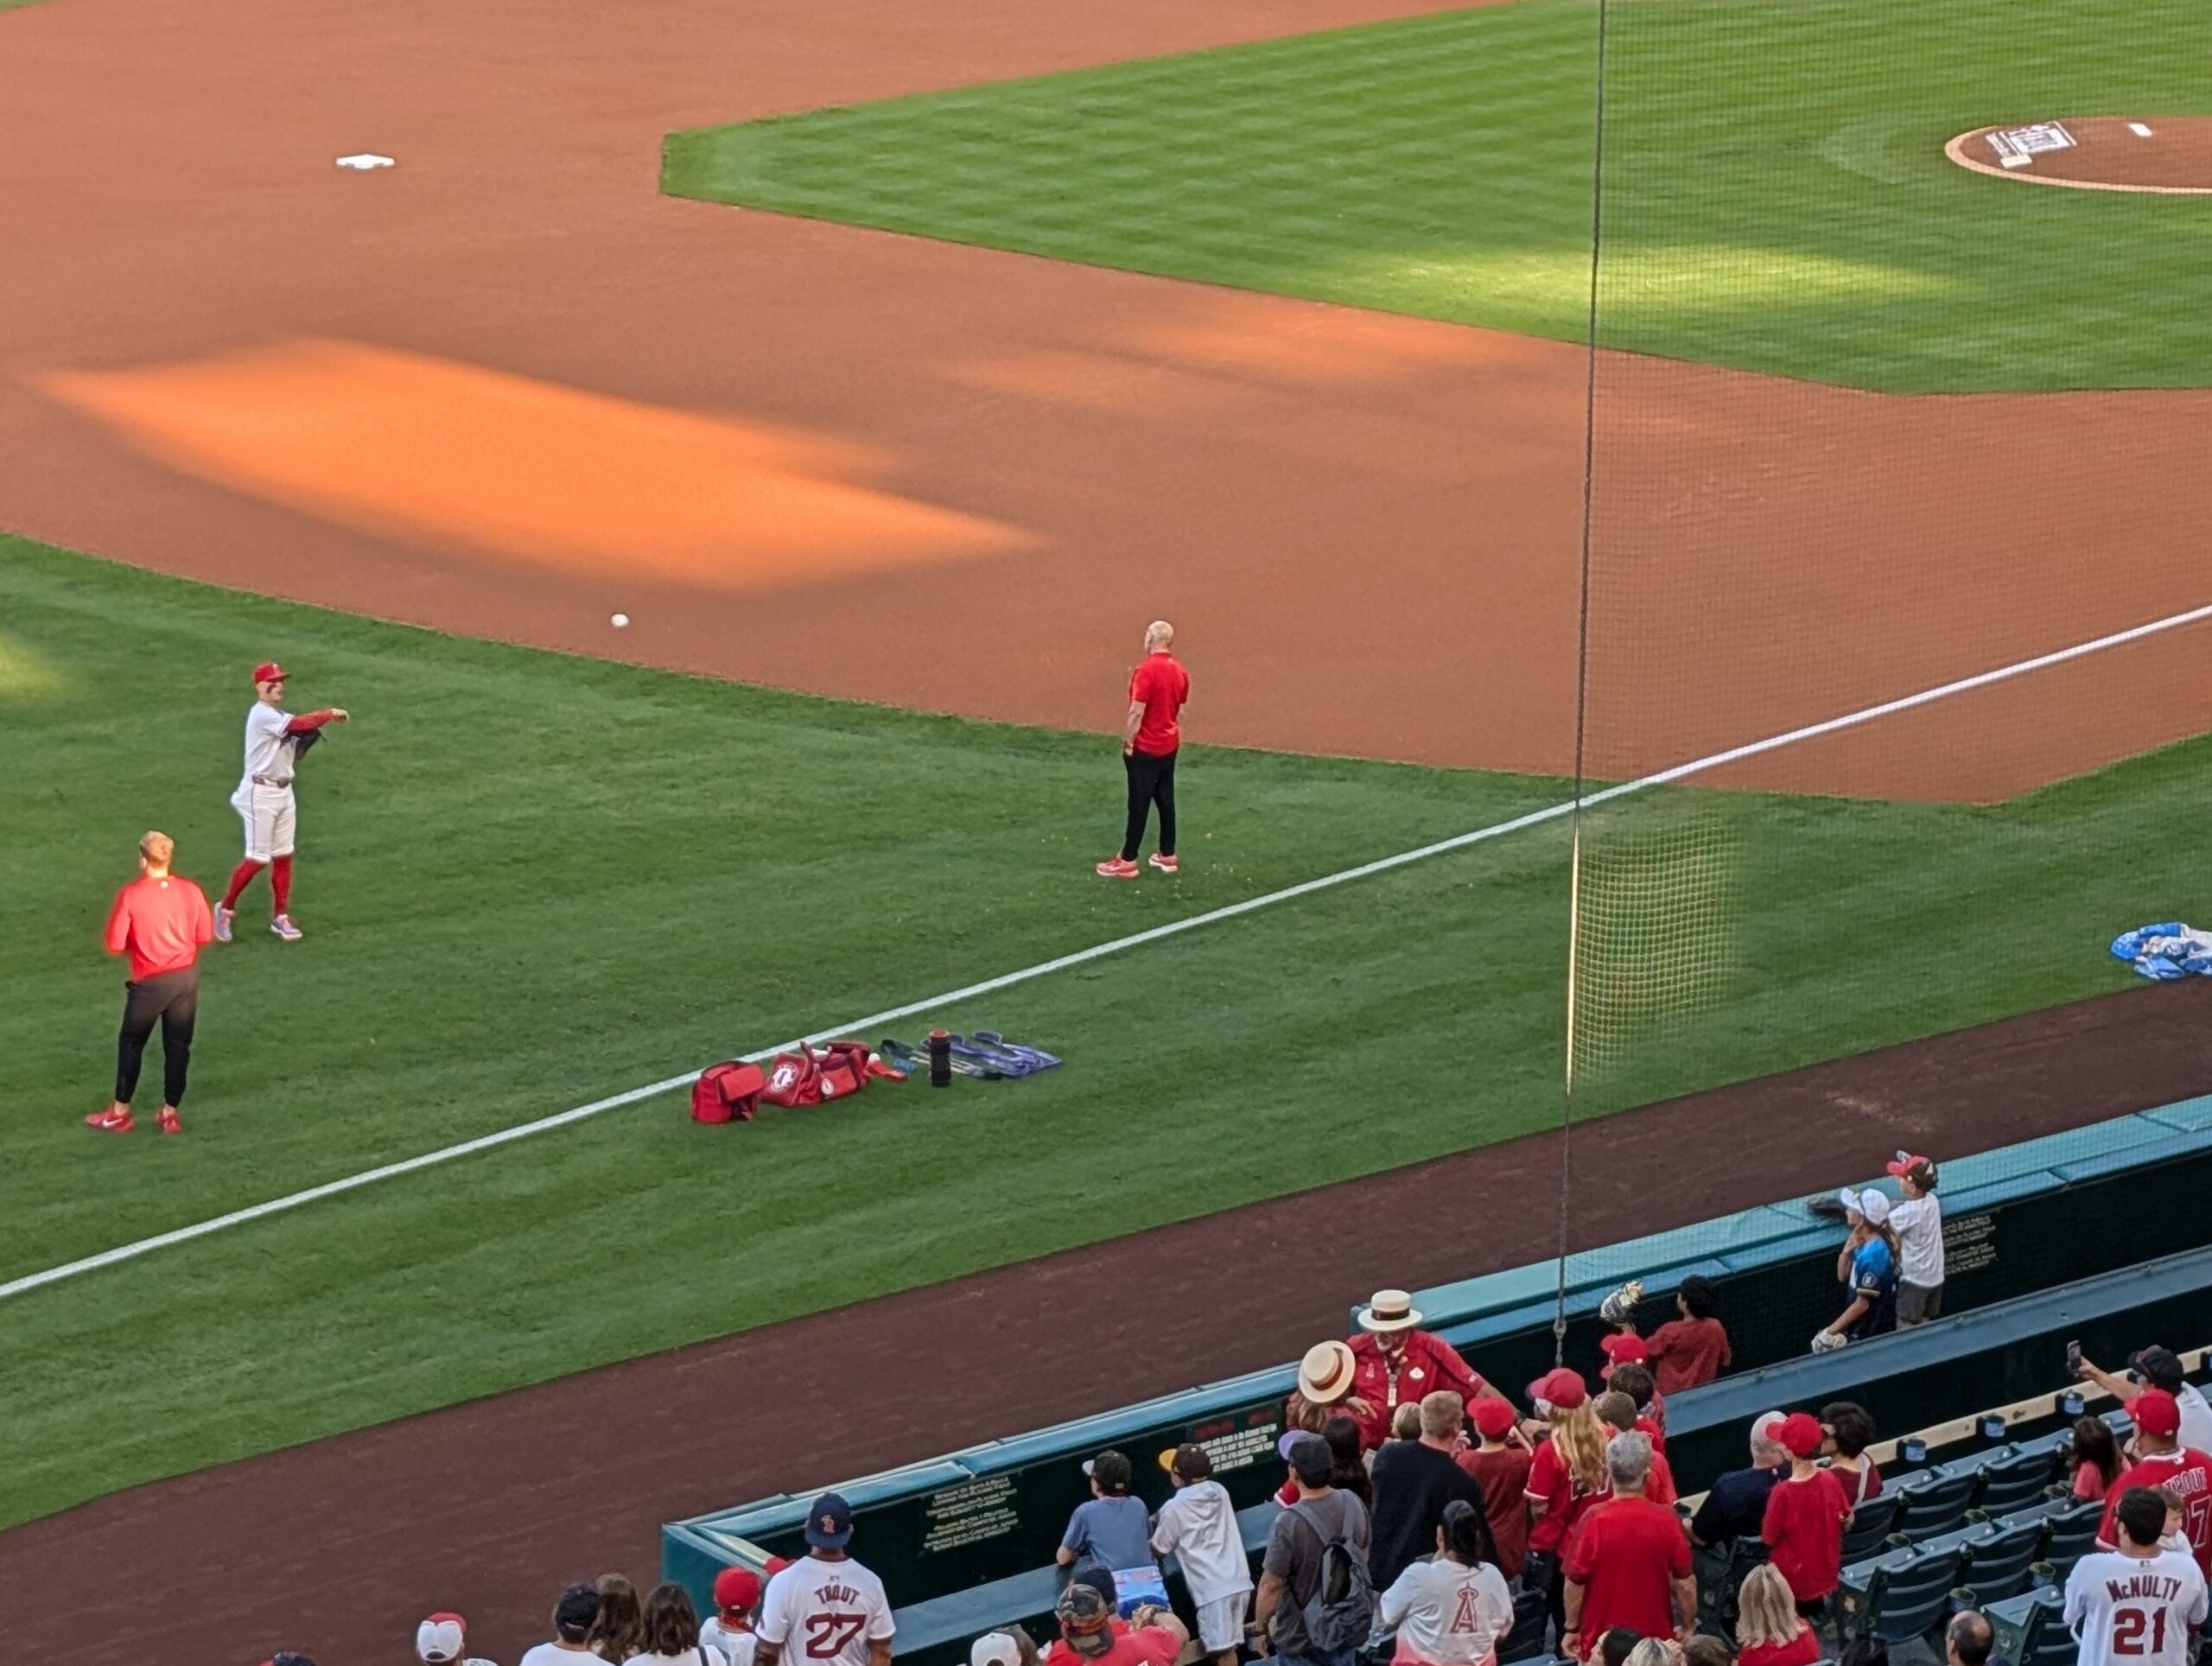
269 671
775 1565
736 1589
1563 1388
2155 1413
1624 1348
1492 1416
1800 1433
1905 1162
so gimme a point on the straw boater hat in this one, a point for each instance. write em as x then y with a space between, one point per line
1391 1310
1325 1375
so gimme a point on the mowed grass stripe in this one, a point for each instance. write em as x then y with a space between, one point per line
1776 192
532 880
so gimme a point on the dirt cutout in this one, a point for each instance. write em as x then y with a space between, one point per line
2164 155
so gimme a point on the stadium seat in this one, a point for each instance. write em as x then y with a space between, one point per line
2073 1535
1871 1526
2006 1485
1997 1565
2048 1642
1937 1505
1908 1596
1531 1624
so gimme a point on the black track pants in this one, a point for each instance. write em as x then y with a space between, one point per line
1152 781
173 998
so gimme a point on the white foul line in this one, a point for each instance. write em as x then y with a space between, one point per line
1366 870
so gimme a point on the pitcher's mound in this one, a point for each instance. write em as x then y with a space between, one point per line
2168 155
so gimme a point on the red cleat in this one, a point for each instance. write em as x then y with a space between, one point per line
1118 869
115 1119
169 1121
1166 864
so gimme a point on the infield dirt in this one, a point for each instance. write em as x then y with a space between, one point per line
507 389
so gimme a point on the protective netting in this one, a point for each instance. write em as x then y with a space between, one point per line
1896 499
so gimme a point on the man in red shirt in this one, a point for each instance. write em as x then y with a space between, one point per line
2162 1461
1395 1362
160 921
1629 1562
1150 737
1806 1515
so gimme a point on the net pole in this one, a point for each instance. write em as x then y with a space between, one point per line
1581 688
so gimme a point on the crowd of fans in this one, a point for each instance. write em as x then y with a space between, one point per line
1423 1513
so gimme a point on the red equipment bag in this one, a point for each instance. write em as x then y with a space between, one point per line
727 1092
844 1068
794 1078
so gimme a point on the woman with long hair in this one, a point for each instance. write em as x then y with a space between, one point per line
1566 1478
1768 1630
2093 1457
618 1633
1450 1611
670 1631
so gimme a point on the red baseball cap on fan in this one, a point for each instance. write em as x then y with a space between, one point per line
2155 1413
269 671
1622 1348
1563 1388
1492 1416
1799 1432
736 1589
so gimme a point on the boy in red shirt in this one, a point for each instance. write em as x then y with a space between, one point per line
160 921
1690 1352
1150 739
1806 1515
1500 1467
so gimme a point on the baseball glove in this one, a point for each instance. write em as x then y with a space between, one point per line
1827 1341
1619 1308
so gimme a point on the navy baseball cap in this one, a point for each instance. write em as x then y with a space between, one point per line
829 1523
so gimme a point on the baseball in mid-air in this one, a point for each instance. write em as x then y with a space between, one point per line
620 621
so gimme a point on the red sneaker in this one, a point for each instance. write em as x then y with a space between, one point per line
1118 869
1166 864
113 1120
169 1121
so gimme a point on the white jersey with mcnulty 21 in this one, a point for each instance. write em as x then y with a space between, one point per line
825 1613
268 748
2129 1610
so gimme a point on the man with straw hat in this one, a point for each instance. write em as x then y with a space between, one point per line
1395 1360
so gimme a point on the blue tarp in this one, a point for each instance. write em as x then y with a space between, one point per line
2166 950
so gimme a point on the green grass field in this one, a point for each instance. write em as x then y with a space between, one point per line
530 880
1776 194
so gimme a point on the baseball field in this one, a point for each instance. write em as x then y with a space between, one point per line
889 371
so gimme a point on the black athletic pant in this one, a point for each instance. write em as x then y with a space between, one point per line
173 998
1152 780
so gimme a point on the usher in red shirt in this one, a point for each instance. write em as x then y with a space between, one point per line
1162 685
162 922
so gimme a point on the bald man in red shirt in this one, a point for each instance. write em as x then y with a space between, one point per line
160 921
1150 739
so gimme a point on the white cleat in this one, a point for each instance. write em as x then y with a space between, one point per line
283 927
222 923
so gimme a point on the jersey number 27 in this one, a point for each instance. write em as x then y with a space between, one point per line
827 1634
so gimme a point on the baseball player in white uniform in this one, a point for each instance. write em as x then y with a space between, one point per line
263 800
826 1610
2140 1604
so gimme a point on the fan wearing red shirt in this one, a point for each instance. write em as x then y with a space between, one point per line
1500 1466
160 921
1690 1352
1150 738
1629 1562
1806 1515
2162 1461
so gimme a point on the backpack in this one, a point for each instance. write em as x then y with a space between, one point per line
794 1078
1341 1614
843 1068
727 1092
